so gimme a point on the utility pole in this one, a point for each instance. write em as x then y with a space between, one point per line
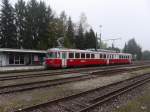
100 36
96 39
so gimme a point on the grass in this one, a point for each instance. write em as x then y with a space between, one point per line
141 104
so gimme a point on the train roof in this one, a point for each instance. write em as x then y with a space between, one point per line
84 51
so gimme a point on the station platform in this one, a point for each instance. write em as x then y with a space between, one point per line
20 68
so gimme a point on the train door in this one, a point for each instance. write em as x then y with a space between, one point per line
107 57
1 60
64 59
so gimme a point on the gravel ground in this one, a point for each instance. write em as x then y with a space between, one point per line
23 99
121 101
36 79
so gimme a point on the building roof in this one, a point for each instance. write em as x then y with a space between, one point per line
21 50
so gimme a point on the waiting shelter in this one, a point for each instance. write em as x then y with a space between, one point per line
20 57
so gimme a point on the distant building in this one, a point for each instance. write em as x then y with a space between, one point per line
18 57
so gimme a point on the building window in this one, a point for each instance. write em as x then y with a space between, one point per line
16 59
21 59
11 59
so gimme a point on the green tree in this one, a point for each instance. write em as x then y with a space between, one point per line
53 32
44 17
83 21
102 45
69 38
30 40
133 48
146 55
20 17
80 40
63 24
37 28
8 29
125 49
90 39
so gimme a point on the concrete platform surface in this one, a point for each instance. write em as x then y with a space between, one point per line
20 68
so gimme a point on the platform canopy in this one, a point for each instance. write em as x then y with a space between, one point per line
22 50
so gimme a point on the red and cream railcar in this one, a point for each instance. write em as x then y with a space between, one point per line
60 58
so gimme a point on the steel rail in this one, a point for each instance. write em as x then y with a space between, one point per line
102 99
67 71
48 83
98 100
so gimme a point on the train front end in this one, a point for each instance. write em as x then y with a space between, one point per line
52 59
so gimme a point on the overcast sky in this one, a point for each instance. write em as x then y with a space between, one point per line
119 18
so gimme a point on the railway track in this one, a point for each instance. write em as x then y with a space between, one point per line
52 73
48 83
88 100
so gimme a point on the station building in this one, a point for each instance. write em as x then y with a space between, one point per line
21 57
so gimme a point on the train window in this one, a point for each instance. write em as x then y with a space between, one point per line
92 56
77 55
101 56
71 55
119 56
87 55
52 55
64 55
104 55
112 56
82 55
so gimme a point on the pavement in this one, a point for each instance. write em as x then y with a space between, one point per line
20 68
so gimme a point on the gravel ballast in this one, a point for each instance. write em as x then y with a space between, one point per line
9 102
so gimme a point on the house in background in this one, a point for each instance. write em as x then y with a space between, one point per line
20 57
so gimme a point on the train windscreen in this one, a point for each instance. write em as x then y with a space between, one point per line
52 54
